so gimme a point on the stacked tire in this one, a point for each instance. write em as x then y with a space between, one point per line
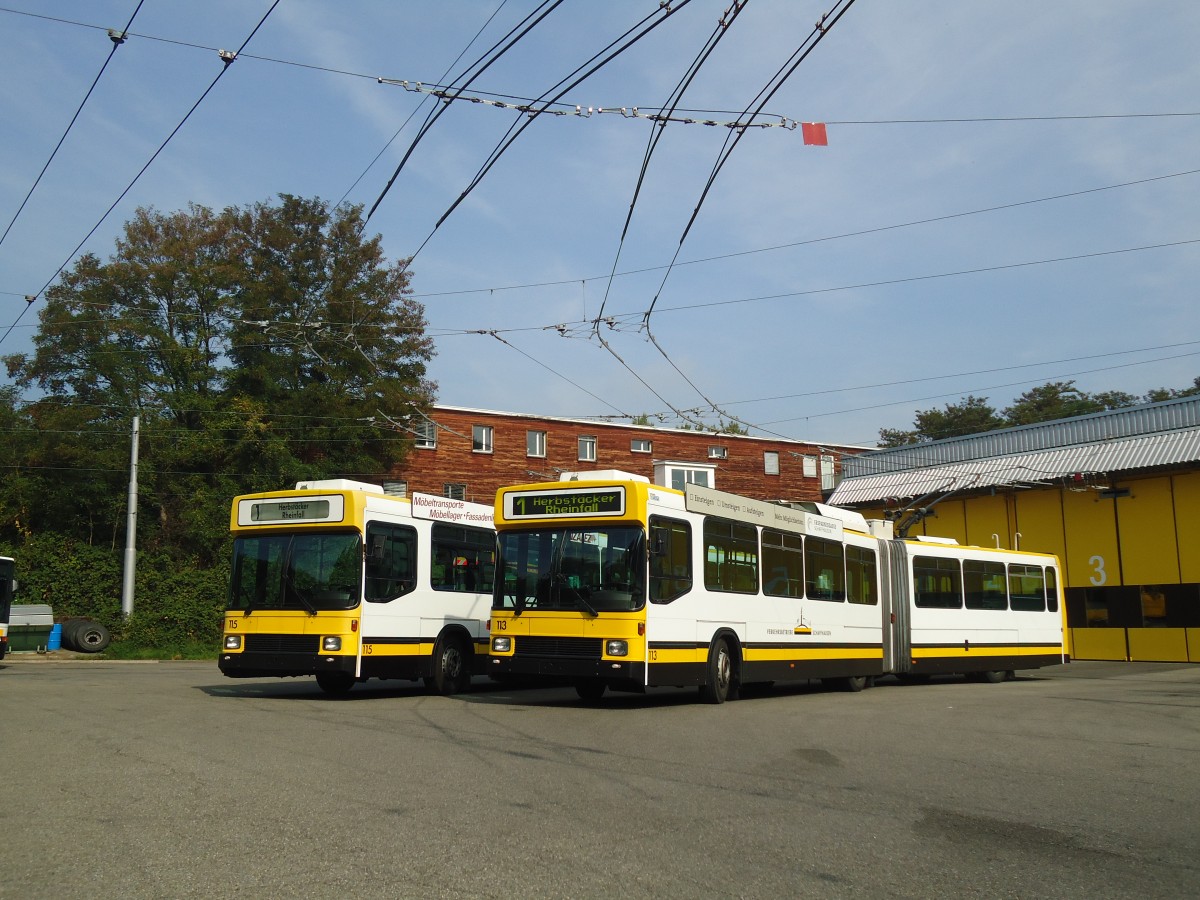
85 636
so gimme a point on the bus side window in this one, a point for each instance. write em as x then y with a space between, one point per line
670 559
391 551
463 559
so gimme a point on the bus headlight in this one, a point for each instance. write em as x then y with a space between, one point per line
233 642
616 648
331 644
501 644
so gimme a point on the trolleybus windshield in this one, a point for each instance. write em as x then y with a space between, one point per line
310 571
596 569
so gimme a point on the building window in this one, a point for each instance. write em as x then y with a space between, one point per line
680 478
426 435
718 453
639 445
481 438
810 466
535 443
828 481
771 462
587 448
454 491
396 488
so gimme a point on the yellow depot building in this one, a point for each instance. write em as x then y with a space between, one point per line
1116 495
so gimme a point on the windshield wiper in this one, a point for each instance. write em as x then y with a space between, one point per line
298 594
559 583
585 604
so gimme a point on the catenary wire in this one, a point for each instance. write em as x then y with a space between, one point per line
705 112
528 118
520 30
225 62
117 38
417 108
752 110
656 132
827 21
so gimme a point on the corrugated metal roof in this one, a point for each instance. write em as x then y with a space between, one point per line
1045 466
1110 425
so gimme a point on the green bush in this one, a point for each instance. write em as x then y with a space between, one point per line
177 607
175 604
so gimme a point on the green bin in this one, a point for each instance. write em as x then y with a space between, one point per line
29 626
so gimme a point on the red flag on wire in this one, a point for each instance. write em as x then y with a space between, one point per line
814 133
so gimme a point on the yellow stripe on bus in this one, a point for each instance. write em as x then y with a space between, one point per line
374 649
967 653
783 654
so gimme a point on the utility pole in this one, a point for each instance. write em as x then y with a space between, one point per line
131 528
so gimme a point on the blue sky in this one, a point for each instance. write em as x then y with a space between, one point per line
802 302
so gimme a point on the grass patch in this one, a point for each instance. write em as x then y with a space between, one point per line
187 650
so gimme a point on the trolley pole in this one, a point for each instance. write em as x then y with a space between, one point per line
131 528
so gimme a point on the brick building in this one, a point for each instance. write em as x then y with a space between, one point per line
469 453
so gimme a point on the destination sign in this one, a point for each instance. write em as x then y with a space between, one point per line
293 509
565 503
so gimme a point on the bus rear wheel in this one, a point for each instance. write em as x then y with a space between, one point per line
335 682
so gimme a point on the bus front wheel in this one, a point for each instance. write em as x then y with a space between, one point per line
590 691
335 682
720 684
451 667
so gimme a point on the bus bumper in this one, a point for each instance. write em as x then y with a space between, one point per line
252 664
610 671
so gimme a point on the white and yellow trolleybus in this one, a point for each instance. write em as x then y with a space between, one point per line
339 580
607 581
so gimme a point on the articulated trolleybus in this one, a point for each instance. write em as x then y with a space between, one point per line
338 580
611 582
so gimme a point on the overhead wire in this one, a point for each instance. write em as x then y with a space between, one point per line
541 363
748 115
473 71
226 59
659 128
614 321
243 54
117 38
897 226
417 108
732 138
588 69
656 132
800 243
597 109
973 391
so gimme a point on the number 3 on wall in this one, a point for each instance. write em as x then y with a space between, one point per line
1099 576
